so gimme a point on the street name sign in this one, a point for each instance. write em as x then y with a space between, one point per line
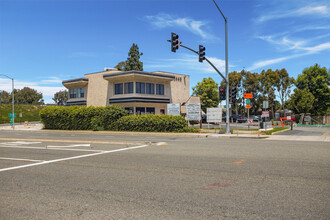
173 109
193 111
213 115
10 115
248 95
248 102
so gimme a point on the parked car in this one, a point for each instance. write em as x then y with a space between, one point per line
203 118
256 118
238 118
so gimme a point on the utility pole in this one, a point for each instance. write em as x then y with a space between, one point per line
227 77
13 98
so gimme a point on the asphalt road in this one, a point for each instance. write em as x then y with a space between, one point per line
160 177
306 131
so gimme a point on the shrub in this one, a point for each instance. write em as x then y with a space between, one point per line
154 123
80 117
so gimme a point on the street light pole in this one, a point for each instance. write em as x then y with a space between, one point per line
13 98
227 77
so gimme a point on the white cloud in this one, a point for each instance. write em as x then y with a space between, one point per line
164 20
187 63
267 62
320 10
308 51
318 48
51 80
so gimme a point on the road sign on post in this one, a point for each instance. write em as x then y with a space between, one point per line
173 109
265 114
248 95
248 106
214 115
10 115
193 111
265 104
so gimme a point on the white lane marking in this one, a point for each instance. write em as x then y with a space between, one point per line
21 159
43 148
19 143
68 146
72 158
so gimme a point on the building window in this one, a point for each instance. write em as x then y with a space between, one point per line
162 111
128 87
81 92
73 93
130 110
140 110
159 89
150 111
150 88
118 88
140 87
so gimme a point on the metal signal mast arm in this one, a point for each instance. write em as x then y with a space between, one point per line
205 59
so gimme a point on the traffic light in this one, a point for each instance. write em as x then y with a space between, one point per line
174 42
201 53
233 93
222 93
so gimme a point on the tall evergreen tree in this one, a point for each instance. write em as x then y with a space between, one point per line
133 60
121 66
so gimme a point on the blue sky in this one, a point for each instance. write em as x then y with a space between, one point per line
43 42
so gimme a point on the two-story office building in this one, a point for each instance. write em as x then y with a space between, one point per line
137 91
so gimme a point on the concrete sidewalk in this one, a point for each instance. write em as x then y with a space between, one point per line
22 127
323 138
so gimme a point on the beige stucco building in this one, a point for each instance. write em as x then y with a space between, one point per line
137 91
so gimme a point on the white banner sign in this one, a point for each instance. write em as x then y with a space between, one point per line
213 115
173 109
193 111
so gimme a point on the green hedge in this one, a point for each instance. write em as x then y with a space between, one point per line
81 118
109 118
153 123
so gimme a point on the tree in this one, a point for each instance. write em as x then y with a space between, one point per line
250 84
4 97
208 91
301 101
283 84
316 80
61 97
235 80
28 96
267 86
121 66
133 60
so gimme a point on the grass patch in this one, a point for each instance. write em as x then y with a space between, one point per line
29 112
275 130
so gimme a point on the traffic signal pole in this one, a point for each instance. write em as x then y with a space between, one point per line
175 44
227 77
